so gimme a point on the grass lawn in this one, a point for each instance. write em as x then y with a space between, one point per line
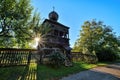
41 72
46 73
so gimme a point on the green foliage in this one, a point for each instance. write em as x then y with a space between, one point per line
89 35
56 59
17 25
106 55
95 37
14 22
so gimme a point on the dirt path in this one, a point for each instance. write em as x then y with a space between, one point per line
110 72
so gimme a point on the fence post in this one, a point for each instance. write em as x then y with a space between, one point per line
29 57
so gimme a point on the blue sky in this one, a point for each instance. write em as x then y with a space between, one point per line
73 13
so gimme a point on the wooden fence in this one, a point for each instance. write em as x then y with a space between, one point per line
11 57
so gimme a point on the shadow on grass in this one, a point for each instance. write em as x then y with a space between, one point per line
19 72
36 71
30 72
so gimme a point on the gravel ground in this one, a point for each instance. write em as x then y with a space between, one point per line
110 72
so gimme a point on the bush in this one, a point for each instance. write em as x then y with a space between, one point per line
106 55
56 59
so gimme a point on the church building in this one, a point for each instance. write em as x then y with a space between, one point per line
58 37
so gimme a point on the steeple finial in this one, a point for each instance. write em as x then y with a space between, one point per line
53 8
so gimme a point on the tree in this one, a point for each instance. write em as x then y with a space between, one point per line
17 26
109 48
97 38
89 35
14 21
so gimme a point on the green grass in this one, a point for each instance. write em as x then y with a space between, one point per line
19 72
42 72
46 72
11 73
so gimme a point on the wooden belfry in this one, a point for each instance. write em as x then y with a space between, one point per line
58 37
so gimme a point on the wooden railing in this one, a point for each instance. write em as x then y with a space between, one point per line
77 56
11 57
